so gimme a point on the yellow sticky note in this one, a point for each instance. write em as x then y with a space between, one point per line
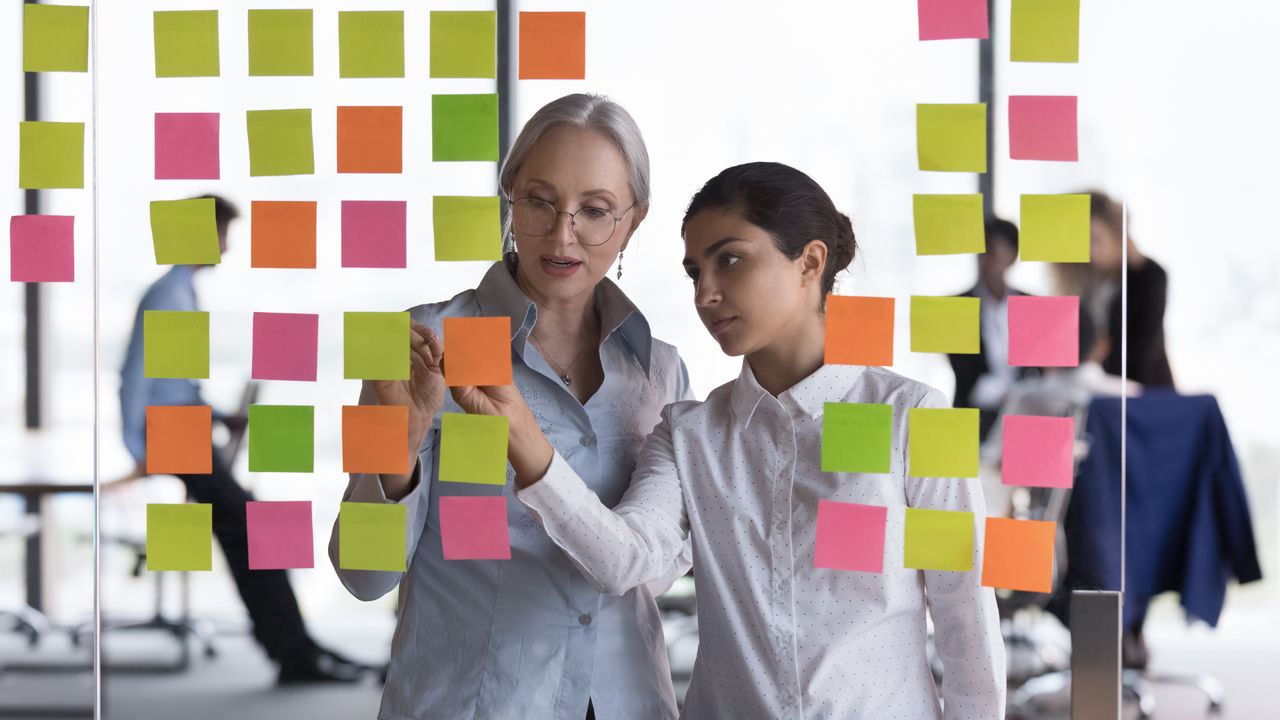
952 138
1055 228
942 442
1045 31
473 448
50 155
938 540
948 224
466 228
944 324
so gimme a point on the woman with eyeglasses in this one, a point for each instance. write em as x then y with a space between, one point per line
530 637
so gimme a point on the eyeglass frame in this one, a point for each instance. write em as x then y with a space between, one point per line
572 216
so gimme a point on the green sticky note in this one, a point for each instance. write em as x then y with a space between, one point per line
942 442
50 155
280 42
371 536
185 232
371 44
375 345
856 437
1045 31
952 138
281 438
175 344
55 38
186 43
1055 228
280 142
945 324
948 224
466 228
473 448
179 536
464 127
938 540
464 44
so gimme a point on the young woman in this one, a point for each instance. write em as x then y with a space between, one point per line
740 474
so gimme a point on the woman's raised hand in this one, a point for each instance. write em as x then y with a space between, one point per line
527 448
423 392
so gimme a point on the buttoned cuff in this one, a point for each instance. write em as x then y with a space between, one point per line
368 488
557 497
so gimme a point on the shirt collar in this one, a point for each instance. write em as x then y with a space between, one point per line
829 383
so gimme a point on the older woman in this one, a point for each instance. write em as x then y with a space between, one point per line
529 637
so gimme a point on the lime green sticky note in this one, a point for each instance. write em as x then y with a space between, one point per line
55 38
952 138
50 155
466 228
371 536
371 44
942 442
856 437
938 540
944 324
1055 228
185 232
280 42
464 127
473 448
280 142
175 344
179 536
464 44
186 43
375 345
281 438
1045 31
948 224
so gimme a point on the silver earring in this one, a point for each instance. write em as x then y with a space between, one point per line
619 266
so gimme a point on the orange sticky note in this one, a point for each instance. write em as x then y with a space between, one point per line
859 330
369 139
477 351
553 45
375 439
179 439
1018 555
283 234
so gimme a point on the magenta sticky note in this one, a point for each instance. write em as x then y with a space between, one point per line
850 536
279 535
474 528
949 19
284 346
42 248
373 233
1042 127
1037 451
186 146
1044 331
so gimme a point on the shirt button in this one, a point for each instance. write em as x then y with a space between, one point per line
584 619
586 440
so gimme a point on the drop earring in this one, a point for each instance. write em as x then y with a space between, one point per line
619 266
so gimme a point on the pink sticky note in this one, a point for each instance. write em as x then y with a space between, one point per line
373 233
41 248
1042 127
948 19
279 535
1044 331
850 536
474 528
1037 451
186 146
284 346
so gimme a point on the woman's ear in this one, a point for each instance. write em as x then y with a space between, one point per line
813 261
637 215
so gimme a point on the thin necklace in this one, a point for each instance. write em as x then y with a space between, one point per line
564 374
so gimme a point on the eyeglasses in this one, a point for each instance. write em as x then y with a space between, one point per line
536 217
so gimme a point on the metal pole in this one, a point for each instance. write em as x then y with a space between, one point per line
987 94
31 291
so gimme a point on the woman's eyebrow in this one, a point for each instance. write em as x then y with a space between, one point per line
714 247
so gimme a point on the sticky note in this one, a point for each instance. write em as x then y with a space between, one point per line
371 44
474 528
952 138
1055 228
285 345
466 228
553 45
179 439
850 537
375 439
283 234
1037 451
950 19
464 44
373 233
42 248
175 344
856 437
186 43
859 331
280 43
473 448
186 146
375 345
944 325
477 351
185 232
50 155
371 536
279 534
55 38
370 139
1045 31
1018 554
948 224
942 442
464 127
281 438
179 536
280 142
938 540
1044 331
1042 127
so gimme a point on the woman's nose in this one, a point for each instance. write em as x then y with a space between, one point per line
705 293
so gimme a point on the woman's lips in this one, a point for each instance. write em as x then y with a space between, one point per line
561 267
718 326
